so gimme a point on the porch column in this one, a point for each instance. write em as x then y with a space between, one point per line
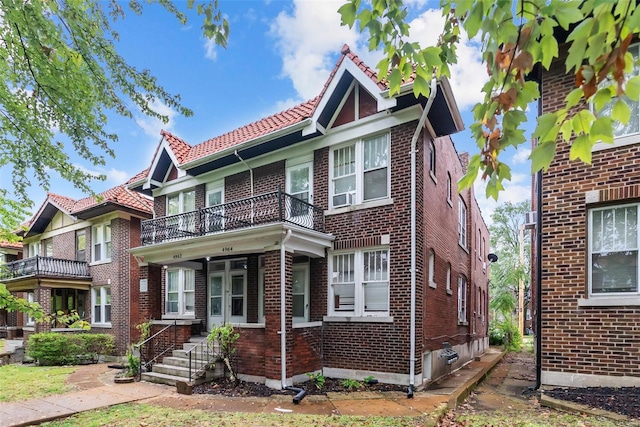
272 307
43 297
149 295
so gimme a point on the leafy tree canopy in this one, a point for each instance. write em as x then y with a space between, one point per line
516 37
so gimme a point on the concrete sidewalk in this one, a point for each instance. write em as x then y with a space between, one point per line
442 395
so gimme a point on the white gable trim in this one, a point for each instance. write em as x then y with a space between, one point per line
162 146
347 65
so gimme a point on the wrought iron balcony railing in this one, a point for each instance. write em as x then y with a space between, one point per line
263 209
44 266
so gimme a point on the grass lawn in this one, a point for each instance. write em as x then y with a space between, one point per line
534 417
137 415
21 382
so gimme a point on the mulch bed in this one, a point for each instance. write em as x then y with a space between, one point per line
224 387
621 400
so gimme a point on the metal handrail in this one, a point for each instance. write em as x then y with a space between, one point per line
203 354
266 208
44 266
156 346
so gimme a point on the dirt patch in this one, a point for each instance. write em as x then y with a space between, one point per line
621 400
224 387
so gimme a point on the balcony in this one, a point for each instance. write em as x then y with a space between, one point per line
42 266
268 208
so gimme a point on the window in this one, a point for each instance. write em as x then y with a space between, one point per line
34 249
68 300
101 241
448 278
360 171
300 293
479 244
462 299
214 214
462 223
181 202
449 188
432 268
81 244
101 303
31 297
633 126
432 158
613 250
47 246
261 289
360 283
180 291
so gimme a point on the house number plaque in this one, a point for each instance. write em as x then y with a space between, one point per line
227 249
177 256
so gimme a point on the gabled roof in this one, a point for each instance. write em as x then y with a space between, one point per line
304 121
11 245
118 198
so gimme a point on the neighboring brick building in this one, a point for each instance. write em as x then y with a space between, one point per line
76 258
297 229
590 317
9 252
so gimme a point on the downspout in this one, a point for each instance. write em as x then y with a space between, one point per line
538 330
283 309
248 167
414 140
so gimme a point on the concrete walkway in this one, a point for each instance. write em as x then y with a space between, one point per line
97 390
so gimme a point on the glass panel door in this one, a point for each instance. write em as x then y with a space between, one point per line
300 187
216 299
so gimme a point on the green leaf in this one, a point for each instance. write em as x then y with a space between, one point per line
621 112
632 88
474 20
549 50
601 98
546 123
602 130
348 14
581 149
574 97
421 87
567 130
581 122
576 54
542 155
567 14
395 80
431 56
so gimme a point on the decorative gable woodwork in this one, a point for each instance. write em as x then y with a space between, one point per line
358 105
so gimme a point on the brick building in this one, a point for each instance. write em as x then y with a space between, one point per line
76 258
588 248
299 230
9 251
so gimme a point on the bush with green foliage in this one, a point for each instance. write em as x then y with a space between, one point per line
505 333
51 348
317 379
225 338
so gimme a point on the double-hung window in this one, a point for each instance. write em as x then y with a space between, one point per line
101 242
179 226
462 299
360 171
180 291
462 223
101 303
613 250
360 283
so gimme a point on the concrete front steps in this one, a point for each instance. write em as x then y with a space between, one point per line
175 368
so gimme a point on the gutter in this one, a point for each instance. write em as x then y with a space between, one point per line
414 140
283 310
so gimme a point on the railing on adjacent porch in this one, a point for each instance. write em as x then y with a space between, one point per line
157 346
44 266
263 209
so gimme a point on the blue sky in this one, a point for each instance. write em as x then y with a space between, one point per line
279 54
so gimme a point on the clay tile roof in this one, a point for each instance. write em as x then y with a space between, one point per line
119 195
254 130
11 245
64 202
179 147
138 176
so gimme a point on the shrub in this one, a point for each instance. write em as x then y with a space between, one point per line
317 379
51 348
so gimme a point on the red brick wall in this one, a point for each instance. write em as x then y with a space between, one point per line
251 351
307 350
589 340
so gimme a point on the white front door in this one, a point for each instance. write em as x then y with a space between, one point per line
300 186
227 292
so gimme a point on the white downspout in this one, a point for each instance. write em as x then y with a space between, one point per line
283 309
414 140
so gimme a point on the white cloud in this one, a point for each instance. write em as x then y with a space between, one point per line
152 126
210 49
114 176
469 74
515 191
309 39
521 156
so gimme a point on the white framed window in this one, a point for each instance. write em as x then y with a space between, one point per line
47 247
613 250
300 293
81 245
629 133
181 286
432 268
182 202
101 242
34 249
214 218
449 189
360 171
101 304
462 223
448 278
359 283
31 297
462 299
479 244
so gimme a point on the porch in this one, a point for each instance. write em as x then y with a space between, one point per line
43 267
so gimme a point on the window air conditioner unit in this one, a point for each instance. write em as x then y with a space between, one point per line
530 220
